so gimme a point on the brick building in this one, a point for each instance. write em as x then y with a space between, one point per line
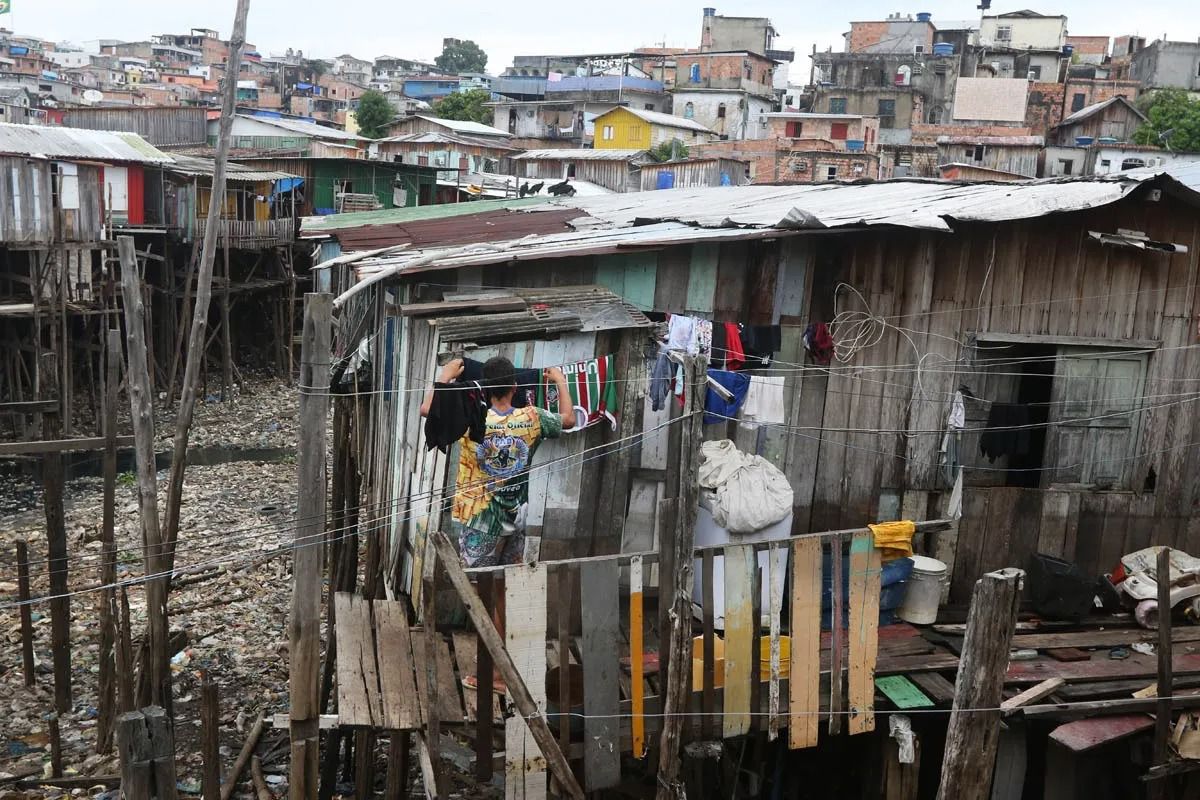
726 92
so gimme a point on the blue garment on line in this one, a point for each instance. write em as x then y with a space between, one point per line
737 383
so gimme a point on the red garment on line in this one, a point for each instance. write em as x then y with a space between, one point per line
735 356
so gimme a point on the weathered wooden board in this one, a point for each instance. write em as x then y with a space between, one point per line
357 676
777 576
804 685
398 689
862 635
600 614
1136 666
741 662
1082 735
702 278
903 693
636 651
451 709
631 275
525 640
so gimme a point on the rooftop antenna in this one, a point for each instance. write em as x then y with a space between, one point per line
1164 138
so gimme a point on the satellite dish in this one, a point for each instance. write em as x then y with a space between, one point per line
92 96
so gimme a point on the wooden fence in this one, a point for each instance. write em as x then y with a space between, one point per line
252 234
764 674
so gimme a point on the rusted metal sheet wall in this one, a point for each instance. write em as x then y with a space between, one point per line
158 125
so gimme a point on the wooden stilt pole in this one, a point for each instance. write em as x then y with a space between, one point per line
56 553
974 733
210 738
156 665
108 548
26 613
305 622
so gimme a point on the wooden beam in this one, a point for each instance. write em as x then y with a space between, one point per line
58 446
26 614
308 549
973 734
1032 695
29 407
1101 708
508 671
108 548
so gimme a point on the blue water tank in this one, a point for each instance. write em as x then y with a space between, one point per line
1068 49
943 49
666 180
924 16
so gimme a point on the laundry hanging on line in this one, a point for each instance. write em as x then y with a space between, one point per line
456 409
593 388
717 408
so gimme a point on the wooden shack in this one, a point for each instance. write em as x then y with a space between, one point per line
1010 370
1024 294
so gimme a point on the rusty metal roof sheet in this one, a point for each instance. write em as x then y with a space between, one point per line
197 166
562 309
579 154
72 143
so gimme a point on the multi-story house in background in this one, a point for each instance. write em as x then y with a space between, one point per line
1163 64
1023 44
727 92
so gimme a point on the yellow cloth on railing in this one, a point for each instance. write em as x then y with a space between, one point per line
894 539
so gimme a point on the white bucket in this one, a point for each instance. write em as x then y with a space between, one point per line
924 595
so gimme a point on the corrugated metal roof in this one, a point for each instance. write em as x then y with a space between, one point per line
304 128
551 310
69 143
578 154
204 167
666 120
675 216
466 126
433 137
319 226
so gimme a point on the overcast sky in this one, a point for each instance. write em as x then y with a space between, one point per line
414 28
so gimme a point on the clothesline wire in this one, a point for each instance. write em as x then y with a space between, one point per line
921 462
321 538
270 528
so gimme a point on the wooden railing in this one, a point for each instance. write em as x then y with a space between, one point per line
251 234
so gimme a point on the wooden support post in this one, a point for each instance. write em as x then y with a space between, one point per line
56 550
804 681
433 721
147 752
484 681
26 612
108 548
679 649
491 639
226 333
837 638
305 623
398 766
210 738
973 734
1162 713
56 762
125 701
157 665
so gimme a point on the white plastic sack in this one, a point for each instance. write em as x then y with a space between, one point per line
752 493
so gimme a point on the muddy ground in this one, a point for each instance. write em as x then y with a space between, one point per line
236 514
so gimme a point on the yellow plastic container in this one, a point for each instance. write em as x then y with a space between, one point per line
764 663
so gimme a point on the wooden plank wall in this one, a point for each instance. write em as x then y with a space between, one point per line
846 452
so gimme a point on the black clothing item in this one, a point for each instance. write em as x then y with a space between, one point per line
760 343
528 381
995 443
456 409
720 345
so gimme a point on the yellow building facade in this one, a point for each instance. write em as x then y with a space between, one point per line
634 129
